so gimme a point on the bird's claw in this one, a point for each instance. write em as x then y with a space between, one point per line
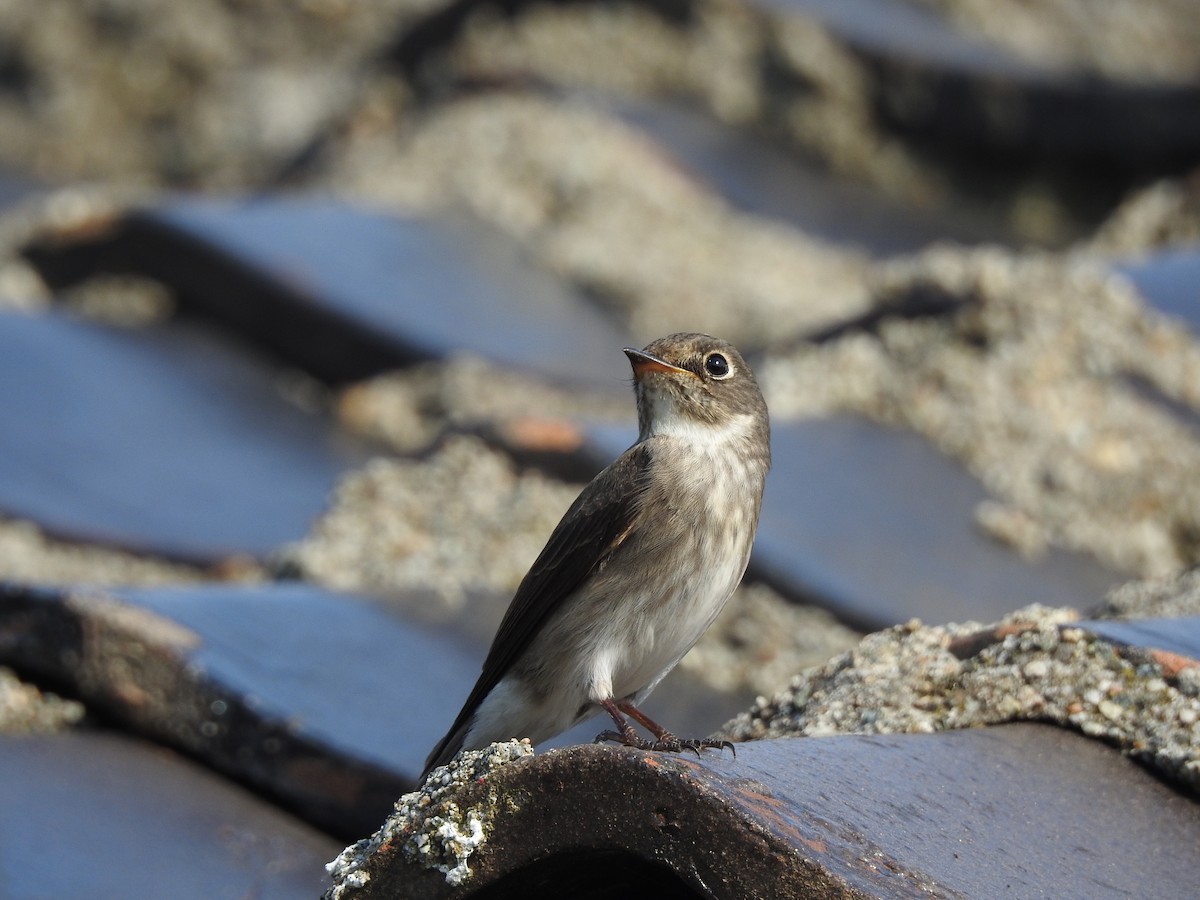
698 744
668 743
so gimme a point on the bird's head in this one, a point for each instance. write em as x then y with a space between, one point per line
697 386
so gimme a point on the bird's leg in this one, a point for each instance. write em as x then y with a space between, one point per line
624 733
665 741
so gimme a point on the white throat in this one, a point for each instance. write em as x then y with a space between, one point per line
666 420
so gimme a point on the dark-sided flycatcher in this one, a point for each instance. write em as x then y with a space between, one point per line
640 565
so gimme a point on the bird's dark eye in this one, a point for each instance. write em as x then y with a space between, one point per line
716 365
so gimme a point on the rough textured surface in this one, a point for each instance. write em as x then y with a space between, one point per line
843 816
1036 667
233 96
26 710
145 90
431 829
1134 39
410 409
744 65
1157 598
463 518
28 554
843 83
1164 214
1044 379
1154 598
622 221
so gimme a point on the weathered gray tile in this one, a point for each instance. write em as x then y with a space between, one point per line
99 815
327 701
1016 810
345 293
14 188
878 526
1170 282
160 439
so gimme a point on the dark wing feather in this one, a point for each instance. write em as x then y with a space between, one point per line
591 530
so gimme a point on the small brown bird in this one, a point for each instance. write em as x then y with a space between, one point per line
641 564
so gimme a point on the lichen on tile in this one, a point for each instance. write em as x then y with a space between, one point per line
433 830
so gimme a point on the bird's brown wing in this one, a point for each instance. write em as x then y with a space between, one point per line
598 522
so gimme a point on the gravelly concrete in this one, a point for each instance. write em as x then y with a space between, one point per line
909 679
24 709
1032 378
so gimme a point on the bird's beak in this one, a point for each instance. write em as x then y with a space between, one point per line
644 363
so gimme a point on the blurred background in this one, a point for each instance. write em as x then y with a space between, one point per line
318 306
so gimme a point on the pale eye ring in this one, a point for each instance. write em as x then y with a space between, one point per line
716 365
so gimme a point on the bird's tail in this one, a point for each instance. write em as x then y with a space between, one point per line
446 748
